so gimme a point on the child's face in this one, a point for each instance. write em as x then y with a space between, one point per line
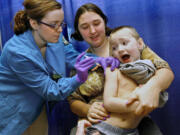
124 46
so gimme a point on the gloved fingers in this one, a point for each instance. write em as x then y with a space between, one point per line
101 61
88 66
115 63
104 66
80 56
85 67
86 62
108 61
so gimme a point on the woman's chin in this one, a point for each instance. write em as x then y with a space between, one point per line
54 41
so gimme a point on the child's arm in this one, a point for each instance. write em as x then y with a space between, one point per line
111 102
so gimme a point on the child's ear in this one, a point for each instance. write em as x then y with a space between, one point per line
140 44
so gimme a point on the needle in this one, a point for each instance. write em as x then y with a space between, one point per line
97 64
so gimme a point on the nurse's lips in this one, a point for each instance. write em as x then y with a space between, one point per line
57 37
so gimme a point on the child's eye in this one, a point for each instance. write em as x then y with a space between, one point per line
124 43
113 48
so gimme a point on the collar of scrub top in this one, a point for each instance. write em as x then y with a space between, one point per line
55 57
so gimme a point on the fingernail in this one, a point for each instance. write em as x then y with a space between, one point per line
99 121
108 116
126 102
104 118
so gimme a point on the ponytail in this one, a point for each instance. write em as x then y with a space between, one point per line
21 22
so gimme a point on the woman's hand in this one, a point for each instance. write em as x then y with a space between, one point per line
97 113
82 67
148 99
108 61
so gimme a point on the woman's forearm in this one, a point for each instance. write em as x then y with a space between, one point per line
79 108
149 93
161 80
118 105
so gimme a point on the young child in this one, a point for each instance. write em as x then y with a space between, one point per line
123 83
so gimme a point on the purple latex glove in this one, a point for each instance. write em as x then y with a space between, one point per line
83 66
108 61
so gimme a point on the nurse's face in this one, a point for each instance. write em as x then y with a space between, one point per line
50 27
92 29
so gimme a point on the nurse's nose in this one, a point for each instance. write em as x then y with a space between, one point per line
59 29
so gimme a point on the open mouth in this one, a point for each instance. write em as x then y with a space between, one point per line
125 57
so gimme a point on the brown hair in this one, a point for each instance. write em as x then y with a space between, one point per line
34 9
85 8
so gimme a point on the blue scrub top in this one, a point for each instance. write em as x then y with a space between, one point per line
25 81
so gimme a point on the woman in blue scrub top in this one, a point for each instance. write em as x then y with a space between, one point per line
26 66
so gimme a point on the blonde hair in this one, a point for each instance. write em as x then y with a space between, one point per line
133 30
34 9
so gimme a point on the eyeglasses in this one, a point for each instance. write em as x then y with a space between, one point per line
54 26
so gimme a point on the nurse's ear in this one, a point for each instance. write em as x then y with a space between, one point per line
141 44
33 23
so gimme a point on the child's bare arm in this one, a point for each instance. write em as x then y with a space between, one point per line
111 102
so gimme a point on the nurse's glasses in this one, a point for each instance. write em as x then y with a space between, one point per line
54 26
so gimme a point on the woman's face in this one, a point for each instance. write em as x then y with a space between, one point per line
92 28
45 30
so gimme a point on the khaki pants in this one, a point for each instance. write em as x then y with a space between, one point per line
39 126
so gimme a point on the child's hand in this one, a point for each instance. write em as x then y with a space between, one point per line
82 125
133 97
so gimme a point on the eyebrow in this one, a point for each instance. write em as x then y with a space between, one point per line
87 23
83 24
